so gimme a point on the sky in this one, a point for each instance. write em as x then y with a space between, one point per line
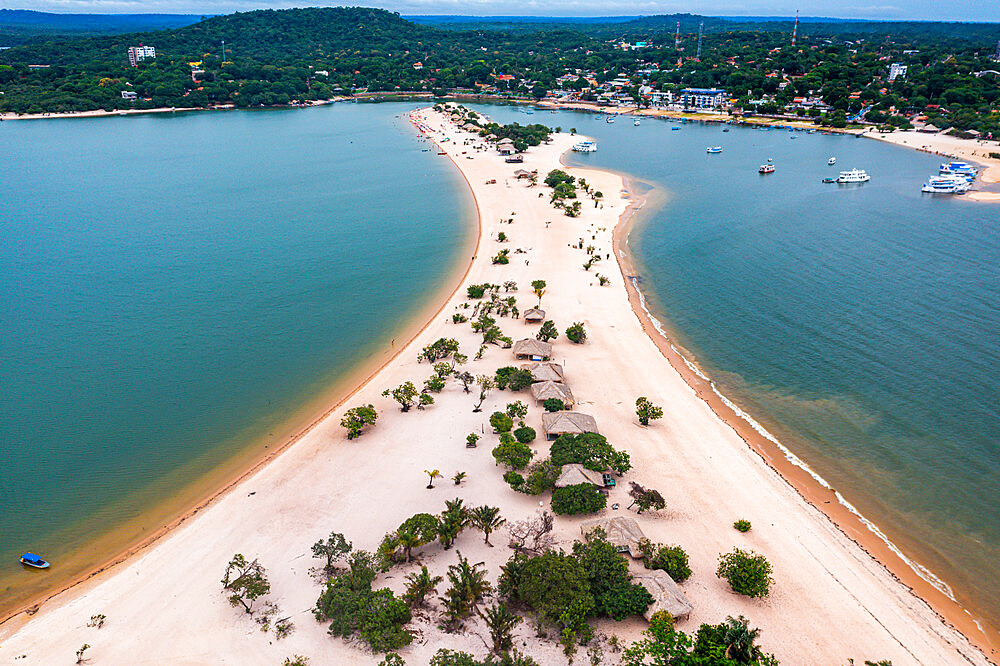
966 10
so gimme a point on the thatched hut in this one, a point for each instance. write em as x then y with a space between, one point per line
533 316
542 391
531 349
544 372
667 595
563 423
573 474
621 531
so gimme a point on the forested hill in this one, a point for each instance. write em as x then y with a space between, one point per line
20 25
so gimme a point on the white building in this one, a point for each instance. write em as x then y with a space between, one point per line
137 54
896 70
129 95
703 98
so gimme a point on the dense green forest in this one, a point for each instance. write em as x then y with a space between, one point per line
275 57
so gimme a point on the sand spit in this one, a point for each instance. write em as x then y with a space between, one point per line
831 600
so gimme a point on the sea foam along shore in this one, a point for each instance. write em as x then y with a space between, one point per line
831 600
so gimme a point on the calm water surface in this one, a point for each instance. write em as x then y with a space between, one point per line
175 287
859 324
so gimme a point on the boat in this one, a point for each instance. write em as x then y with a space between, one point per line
32 560
963 168
766 168
714 150
675 129
609 119
853 176
635 122
585 147
829 180
832 161
955 184
725 129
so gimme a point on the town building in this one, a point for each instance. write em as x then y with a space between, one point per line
897 71
703 98
137 54
129 95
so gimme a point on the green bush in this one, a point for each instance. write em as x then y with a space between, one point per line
541 476
553 405
513 454
501 422
476 290
514 480
525 434
671 559
577 499
576 333
746 572
742 525
513 378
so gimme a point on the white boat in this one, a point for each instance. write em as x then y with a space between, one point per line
946 185
766 168
854 176
636 122
963 168
610 119
832 161
714 150
585 147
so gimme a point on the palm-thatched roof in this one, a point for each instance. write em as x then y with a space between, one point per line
544 372
621 531
574 474
574 423
532 348
542 391
667 595
532 315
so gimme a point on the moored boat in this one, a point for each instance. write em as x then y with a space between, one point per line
853 176
585 147
714 149
829 180
34 561
832 161
636 122
954 184
766 168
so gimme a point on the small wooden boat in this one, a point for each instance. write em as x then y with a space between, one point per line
32 560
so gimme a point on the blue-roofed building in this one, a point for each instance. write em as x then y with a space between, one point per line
703 98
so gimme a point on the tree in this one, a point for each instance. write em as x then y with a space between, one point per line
487 519
746 572
555 585
425 400
501 422
334 548
435 383
553 405
486 384
610 581
577 499
590 450
501 623
245 582
517 409
647 411
576 333
538 286
432 474
671 559
467 379
418 585
524 434
646 499
468 587
548 331
515 379
440 348
451 522
513 454
356 418
79 653
405 394
532 536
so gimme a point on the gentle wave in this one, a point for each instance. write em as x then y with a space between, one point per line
917 568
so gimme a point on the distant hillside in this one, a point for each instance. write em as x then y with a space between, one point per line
20 25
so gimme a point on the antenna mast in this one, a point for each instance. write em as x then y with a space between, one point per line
700 26
795 30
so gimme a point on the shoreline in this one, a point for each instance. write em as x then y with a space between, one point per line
200 493
807 483
810 592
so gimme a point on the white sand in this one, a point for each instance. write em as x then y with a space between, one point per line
831 601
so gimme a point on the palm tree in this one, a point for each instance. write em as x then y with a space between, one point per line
468 582
487 519
501 623
739 640
432 474
419 585
453 521
408 541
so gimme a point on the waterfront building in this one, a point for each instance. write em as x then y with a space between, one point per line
703 98
130 95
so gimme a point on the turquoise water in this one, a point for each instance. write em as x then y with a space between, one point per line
859 324
174 287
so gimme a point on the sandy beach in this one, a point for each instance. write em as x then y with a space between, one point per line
831 601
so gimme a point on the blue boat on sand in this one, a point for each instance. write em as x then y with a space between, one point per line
32 560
